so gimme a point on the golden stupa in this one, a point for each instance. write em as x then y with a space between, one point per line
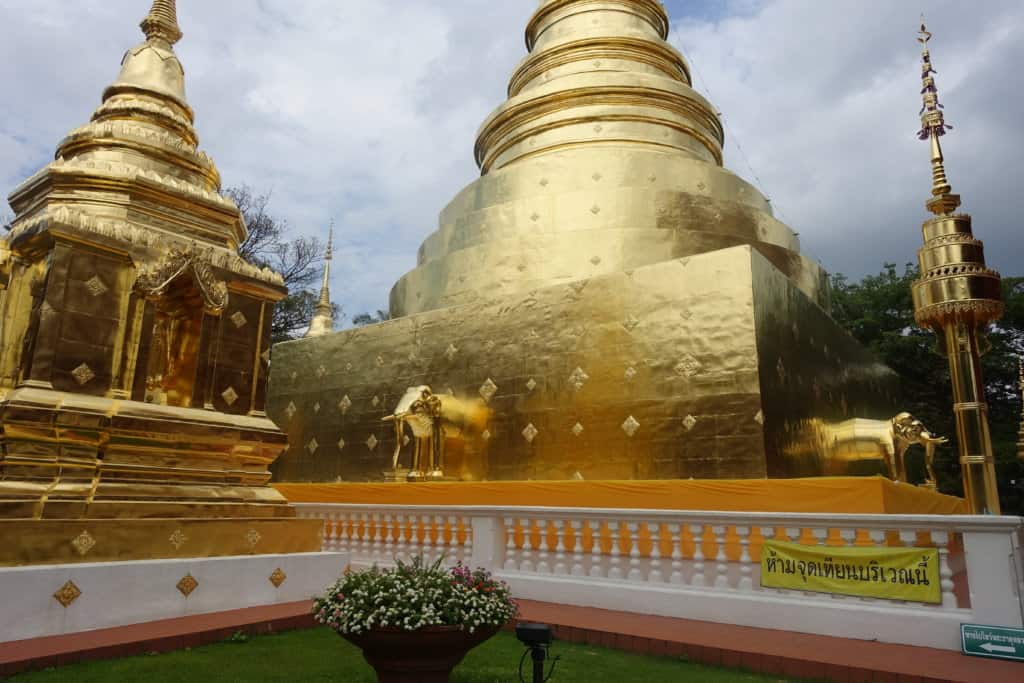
134 343
615 302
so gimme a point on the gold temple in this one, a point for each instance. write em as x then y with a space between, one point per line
134 343
618 304
957 296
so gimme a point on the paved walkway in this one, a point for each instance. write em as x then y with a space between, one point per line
761 650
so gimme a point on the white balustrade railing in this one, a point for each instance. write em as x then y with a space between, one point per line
699 565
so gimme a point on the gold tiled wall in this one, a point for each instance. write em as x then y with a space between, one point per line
653 373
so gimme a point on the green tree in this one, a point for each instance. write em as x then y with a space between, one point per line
879 312
361 319
297 258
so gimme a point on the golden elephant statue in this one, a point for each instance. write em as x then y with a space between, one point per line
433 419
841 444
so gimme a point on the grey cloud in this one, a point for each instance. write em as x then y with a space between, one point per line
367 112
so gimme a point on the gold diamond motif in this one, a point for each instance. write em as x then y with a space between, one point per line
95 286
372 442
83 543
688 366
375 401
630 426
187 584
316 407
488 389
451 352
380 361
577 429
341 444
178 539
238 319
631 322
83 374
344 404
252 537
630 373
277 577
290 410
530 433
230 396
405 439
578 378
312 446
759 418
67 594
689 422
531 384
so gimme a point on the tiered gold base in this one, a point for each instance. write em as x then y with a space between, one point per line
64 541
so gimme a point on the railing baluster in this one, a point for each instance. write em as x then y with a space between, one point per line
526 561
634 551
560 567
511 550
697 578
614 571
400 538
467 539
746 569
721 560
676 577
654 574
942 541
577 546
596 570
542 548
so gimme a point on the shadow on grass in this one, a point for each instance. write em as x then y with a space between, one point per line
320 655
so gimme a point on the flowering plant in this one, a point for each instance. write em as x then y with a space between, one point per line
413 596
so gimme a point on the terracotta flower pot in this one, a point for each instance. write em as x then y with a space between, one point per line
427 655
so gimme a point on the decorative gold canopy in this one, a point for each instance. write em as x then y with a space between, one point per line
603 159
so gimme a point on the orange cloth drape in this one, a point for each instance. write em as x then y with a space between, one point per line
864 495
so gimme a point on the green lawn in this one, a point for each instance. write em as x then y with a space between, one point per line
320 655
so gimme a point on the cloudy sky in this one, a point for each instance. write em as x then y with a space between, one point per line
366 112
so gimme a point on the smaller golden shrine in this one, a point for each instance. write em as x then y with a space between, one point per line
134 343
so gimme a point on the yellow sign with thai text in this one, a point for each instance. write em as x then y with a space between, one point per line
910 574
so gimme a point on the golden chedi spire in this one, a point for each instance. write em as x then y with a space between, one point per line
135 341
603 159
115 176
957 295
162 22
323 317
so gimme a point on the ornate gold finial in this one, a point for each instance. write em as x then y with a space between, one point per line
957 296
162 22
934 126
